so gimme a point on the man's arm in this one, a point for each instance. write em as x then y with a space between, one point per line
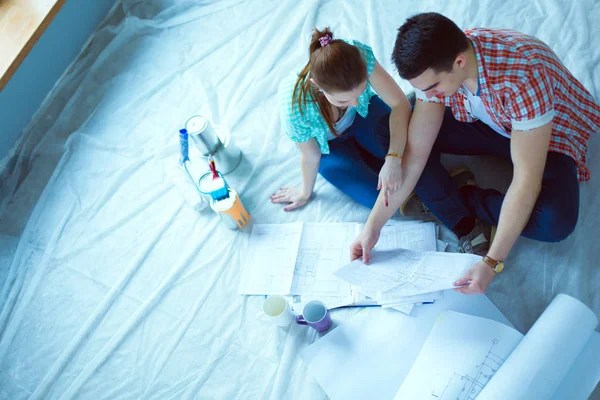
529 151
530 104
423 129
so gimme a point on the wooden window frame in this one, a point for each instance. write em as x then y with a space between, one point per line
22 23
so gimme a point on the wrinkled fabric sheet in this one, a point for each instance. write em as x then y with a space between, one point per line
113 286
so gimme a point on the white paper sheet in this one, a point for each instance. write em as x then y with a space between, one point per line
410 235
460 356
437 271
387 238
420 237
369 356
404 308
323 249
543 358
441 245
386 270
418 298
403 272
269 266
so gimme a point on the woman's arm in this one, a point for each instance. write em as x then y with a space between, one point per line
310 159
424 127
390 175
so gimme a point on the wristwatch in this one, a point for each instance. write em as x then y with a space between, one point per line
497 266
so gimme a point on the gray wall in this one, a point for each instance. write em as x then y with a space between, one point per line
47 61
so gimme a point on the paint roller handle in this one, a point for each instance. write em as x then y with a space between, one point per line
183 146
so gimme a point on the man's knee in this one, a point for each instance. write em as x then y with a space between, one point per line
554 222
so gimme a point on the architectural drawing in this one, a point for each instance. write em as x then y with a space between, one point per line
468 386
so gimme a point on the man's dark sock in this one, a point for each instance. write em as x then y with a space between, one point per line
466 190
464 226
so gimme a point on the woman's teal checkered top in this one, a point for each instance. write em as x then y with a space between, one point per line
301 127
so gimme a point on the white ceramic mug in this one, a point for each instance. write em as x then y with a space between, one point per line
276 310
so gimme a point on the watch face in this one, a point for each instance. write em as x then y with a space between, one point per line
499 267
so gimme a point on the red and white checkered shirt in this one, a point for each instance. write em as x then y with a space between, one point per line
523 85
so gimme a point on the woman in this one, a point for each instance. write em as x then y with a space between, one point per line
351 136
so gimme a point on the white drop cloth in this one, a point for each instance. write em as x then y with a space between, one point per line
114 287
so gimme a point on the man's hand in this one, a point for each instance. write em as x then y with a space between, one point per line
363 244
290 195
390 177
476 280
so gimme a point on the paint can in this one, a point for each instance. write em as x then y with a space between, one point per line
214 141
231 210
203 135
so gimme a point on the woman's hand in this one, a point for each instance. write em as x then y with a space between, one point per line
390 177
290 195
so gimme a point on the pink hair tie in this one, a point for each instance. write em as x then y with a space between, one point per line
324 40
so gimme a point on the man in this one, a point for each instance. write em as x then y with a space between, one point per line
497 92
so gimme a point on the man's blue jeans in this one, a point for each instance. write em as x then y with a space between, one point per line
555 213
357 156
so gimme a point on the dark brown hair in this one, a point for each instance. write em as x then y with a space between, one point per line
427 40
336 67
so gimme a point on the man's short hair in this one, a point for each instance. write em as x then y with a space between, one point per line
427 40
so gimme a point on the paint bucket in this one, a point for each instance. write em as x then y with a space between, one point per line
214 141
231 210
203 135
